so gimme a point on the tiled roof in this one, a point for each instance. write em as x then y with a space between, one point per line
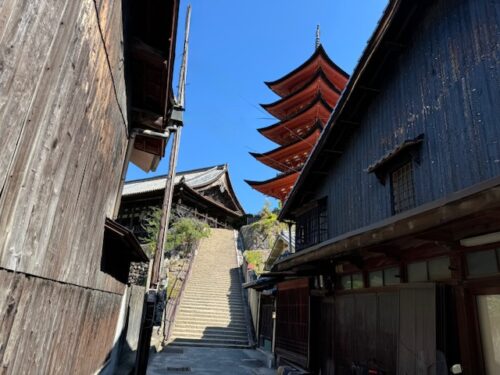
194 178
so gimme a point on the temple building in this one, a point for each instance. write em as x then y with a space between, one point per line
308 95
204 193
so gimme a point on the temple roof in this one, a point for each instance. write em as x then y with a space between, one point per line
285 132
318 85
293 155
319 60
277 187
201 181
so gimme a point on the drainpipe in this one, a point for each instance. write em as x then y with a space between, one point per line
130 147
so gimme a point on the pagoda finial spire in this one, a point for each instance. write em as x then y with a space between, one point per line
318 40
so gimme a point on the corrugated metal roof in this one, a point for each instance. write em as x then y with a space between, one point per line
193 179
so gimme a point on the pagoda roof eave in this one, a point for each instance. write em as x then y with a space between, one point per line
272 157
318 99
286 180
319 75
317 127
319 51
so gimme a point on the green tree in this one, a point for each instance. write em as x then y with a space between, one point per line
183 234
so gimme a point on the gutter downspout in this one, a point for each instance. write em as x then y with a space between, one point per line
130 147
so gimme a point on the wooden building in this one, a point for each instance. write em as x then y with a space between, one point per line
307 96
204 193
397 210
73 76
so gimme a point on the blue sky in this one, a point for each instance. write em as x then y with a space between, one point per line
234 47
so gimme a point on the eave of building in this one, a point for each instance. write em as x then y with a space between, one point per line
191 177
151 41
295 79
277 187
197 180
291 156
129 243
446 221
207 200
383 48
288 106
285 132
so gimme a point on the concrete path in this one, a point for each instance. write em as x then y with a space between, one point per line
208 361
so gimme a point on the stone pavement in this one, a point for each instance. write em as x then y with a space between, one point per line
208 361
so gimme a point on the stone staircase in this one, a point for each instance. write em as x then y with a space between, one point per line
212 311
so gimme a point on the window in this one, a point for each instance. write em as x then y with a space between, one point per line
483 263
402 189
312 226
388 276
352 281
430 270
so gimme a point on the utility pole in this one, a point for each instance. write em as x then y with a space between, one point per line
176 123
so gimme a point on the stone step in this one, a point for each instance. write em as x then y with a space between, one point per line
209 322
214 330
210 318
198 325
223 309
209 345
218 309
210 341
209 335
211 297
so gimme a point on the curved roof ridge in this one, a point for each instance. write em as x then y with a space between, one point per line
320 74
319 51
315 128
318 99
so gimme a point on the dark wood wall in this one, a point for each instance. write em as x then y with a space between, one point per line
292 321
444 84
63 135
393 331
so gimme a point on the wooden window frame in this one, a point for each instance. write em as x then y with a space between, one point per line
312 225
409 179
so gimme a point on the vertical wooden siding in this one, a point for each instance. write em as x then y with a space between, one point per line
292 321
53 328
445 84
62 136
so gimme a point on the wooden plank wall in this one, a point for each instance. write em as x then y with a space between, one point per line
53 328
63 136
292 321
366 330
445 84
392 330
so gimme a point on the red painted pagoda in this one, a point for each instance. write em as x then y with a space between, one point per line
308 95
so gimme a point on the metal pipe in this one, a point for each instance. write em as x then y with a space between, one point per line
151 133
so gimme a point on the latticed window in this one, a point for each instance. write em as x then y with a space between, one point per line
312 226
402 188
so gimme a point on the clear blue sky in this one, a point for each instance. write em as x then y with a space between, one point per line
234 47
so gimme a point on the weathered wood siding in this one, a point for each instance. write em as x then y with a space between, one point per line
53 328
63 135
446 85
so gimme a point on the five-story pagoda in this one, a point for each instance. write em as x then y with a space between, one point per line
308 95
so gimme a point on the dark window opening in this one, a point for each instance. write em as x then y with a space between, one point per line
312 226
402 188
